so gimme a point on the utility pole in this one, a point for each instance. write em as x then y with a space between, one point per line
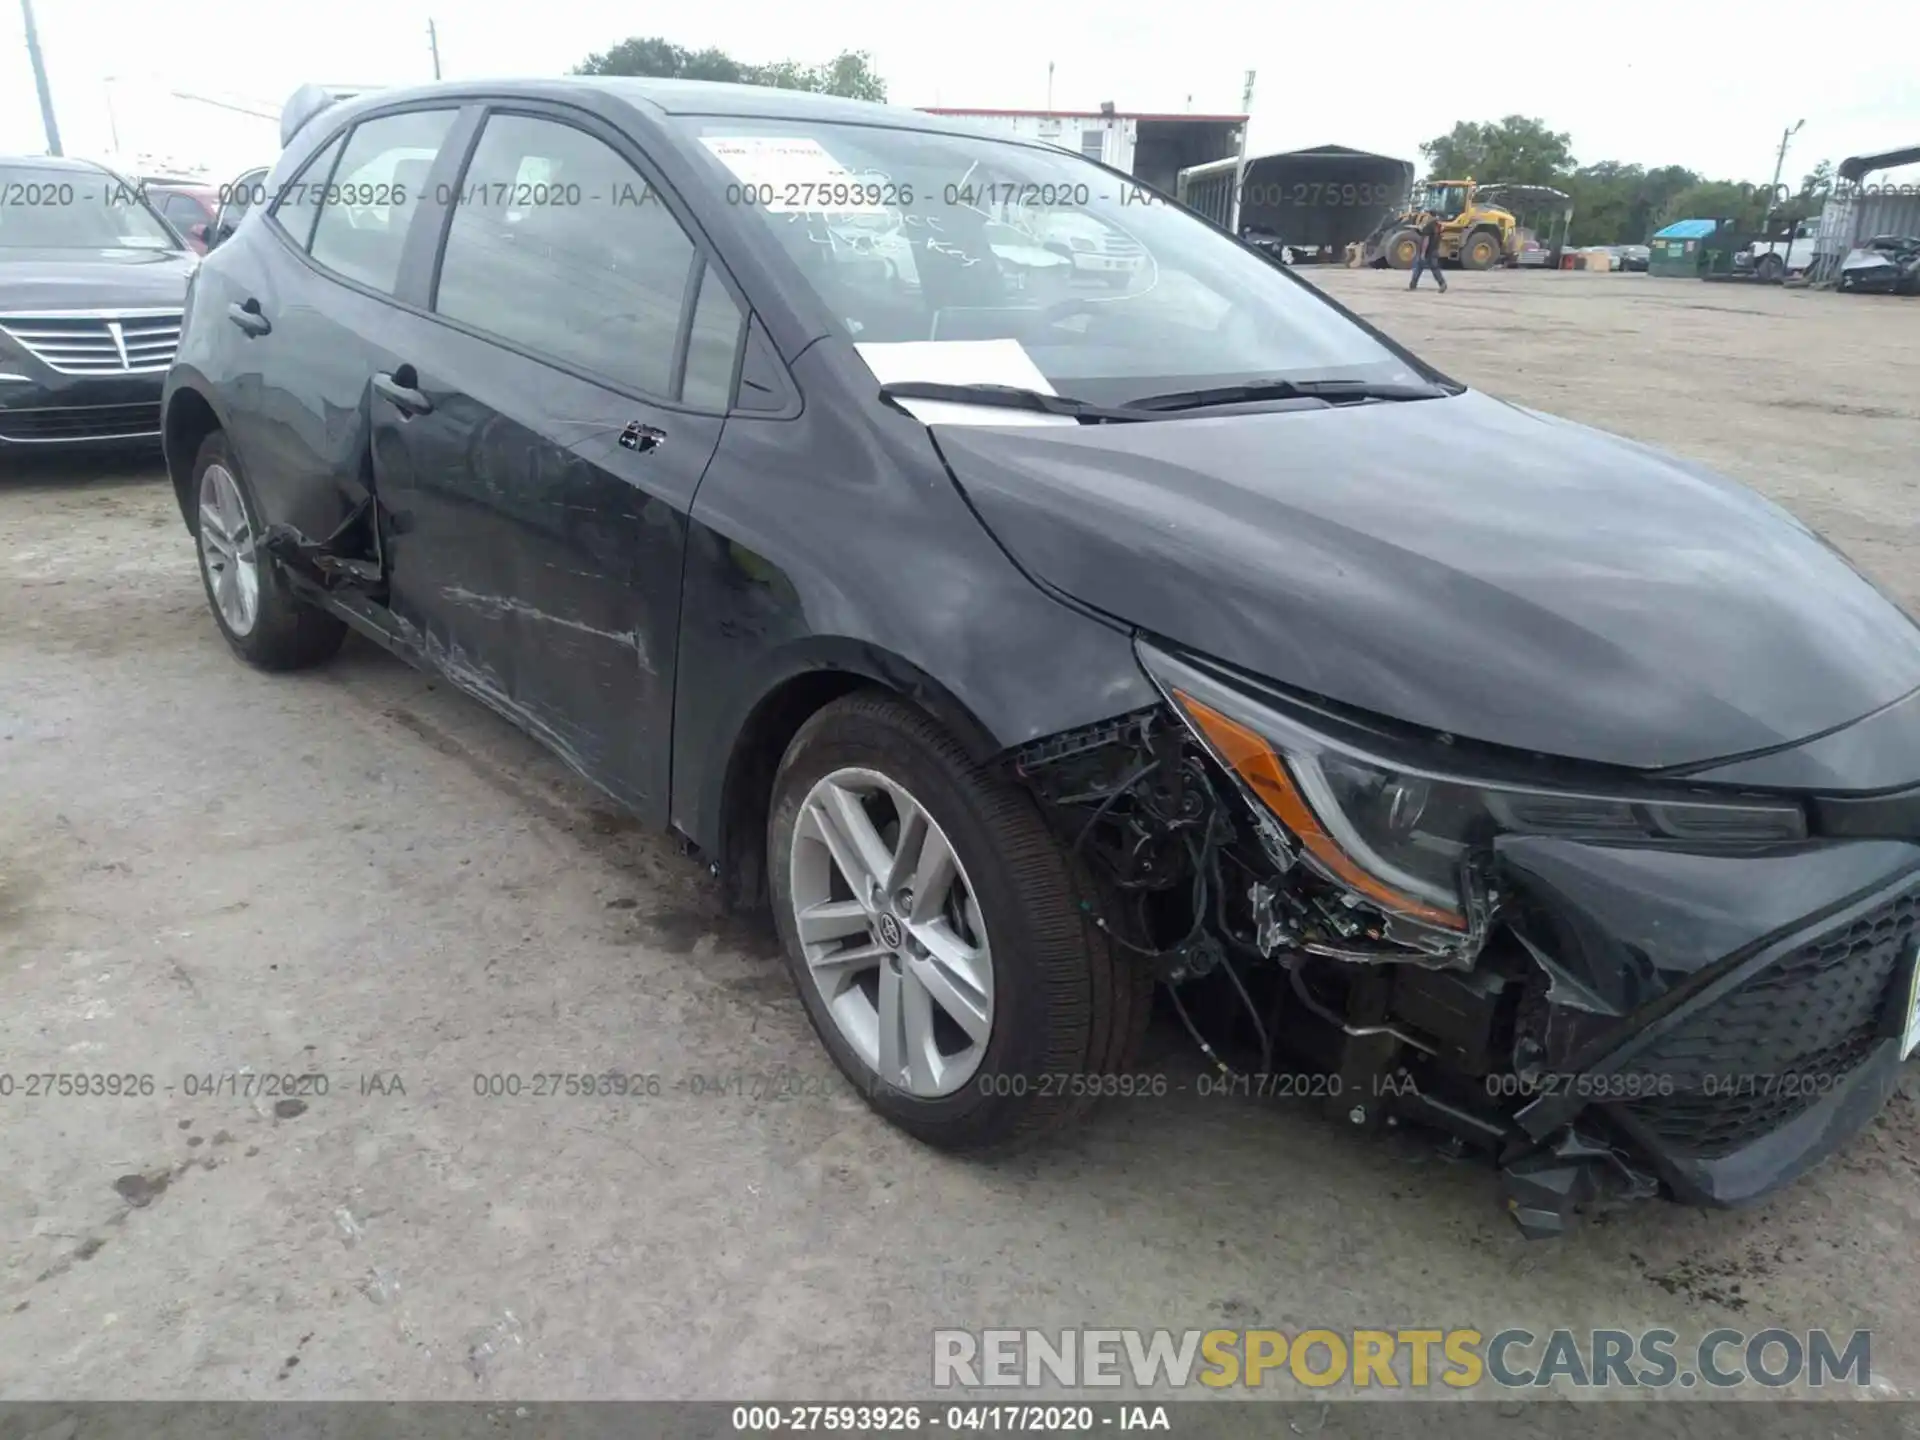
433 44
1240 169
113 121
1779 164
40 80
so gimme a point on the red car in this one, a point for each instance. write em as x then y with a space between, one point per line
189 208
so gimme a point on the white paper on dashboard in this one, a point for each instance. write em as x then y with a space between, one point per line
789 175
961 362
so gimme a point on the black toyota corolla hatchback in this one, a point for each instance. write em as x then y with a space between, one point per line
1034 596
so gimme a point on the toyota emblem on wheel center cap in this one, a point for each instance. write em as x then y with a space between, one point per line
889 931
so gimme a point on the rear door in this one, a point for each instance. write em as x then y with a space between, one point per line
540 439
313 296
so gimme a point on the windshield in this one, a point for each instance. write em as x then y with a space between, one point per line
44 208
908 237
1446 201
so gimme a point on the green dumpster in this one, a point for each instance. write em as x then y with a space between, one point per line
1681 248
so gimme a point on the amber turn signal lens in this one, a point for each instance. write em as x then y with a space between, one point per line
1265 773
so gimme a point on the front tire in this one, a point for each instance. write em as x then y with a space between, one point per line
1770 269
255 608
941 940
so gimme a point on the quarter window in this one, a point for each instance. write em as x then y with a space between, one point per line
560 245
240 197
371 198
300 201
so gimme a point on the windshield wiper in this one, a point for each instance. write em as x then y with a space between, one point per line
1010 397
1332 391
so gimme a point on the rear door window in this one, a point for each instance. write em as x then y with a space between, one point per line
370 201
560 246
712 346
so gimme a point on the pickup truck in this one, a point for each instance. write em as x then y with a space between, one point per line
1777 259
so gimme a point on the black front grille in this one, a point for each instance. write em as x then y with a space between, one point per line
1749 1062
80 422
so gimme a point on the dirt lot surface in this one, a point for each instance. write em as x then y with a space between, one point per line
207 872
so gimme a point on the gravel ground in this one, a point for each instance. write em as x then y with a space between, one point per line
358 873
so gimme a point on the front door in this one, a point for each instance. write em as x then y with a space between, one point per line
538 445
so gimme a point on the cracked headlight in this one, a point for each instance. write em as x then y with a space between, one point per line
1399 832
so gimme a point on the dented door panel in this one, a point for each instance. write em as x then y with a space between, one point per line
536 557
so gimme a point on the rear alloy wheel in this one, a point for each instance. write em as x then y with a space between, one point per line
251 601
939 937
227 553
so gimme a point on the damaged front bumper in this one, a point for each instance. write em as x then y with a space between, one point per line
1621 1017
1741 1017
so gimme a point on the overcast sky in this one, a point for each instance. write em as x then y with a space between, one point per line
1706 84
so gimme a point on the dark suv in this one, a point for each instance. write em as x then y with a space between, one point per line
1025 643
92 285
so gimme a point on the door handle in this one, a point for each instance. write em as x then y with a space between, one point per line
644 438
401 390
248 317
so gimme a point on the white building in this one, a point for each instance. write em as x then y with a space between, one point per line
1153 148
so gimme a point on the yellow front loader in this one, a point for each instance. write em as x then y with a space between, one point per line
1473 235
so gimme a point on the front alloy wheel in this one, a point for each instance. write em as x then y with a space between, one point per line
891 932
941 938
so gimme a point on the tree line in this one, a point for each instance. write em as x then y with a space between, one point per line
850 73
1615 203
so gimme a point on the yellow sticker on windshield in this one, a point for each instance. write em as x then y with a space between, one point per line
796 176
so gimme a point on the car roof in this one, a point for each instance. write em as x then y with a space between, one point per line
684 97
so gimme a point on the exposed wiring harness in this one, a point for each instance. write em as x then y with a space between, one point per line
1204 856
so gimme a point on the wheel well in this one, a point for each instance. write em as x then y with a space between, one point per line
757 753
190 419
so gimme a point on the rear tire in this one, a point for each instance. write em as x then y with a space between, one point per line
252 603
1060 1008
1769 269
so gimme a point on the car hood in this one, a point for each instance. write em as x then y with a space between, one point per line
1461 564
35 280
